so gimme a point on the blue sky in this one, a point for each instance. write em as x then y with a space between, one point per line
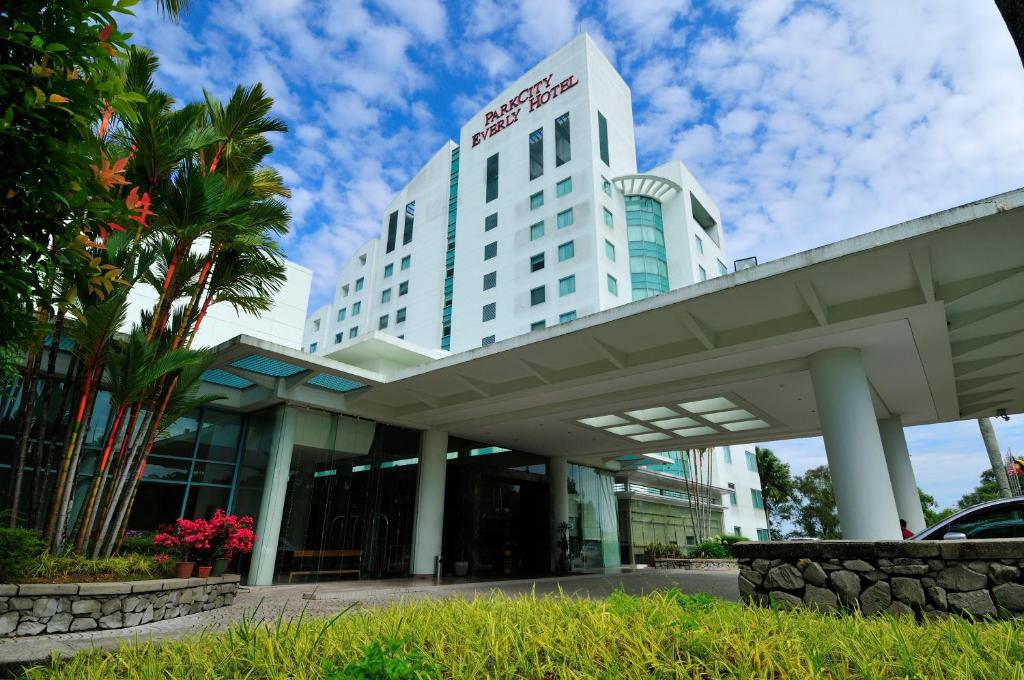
807 121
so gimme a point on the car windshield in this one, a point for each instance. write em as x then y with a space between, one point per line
998 522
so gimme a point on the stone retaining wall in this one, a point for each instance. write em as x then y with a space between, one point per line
924 578
44 608
692 563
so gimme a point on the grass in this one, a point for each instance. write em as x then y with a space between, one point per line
72 568
663 635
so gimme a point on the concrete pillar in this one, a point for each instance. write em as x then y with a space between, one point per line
856 461
429 521
275 487
558 473
901 474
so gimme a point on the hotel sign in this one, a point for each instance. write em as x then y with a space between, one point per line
537 95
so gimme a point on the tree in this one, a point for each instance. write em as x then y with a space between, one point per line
776 485
812 506
932 514
987 490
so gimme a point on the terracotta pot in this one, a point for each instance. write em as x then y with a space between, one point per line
183 569
220 565
204 570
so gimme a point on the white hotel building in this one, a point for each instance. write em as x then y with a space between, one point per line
538 216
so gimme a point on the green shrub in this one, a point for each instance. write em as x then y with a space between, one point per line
70 566
712 550
731 539
664 550
140 543
19 550
663 635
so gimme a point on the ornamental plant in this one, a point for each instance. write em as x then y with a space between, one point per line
232 535
203 540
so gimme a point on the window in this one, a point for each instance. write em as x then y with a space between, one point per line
400 315
312 347
392 231
563 151
564 187
722 269
338 337
353 332
490 311
699 244
344 290
489 340
609 250
751 461
727 454
536 200
757 498
737 531
385 295
567 317
389 269
1002 521
406 262
609 219
403 288
382 322
702 273
536 153
537 262
359 284
732 495
538 325
491 222
606 186
537 295
567 286
356 307
566 251
492 179
410 213
536 231
613 285
565 218
602 137
490 280
316 325
491 250
341 313
762 534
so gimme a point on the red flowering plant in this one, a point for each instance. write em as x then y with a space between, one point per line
232 535
203 540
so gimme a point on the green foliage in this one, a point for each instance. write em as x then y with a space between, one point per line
730 539
661 635
932 514
140 543
19 550
712 550
987 490
664 550
812 506
71 566
776 485
383 660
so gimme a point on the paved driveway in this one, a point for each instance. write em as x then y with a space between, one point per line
327 599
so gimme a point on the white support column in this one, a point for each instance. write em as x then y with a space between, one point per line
558 471
901 474
275 488
856 461
429 521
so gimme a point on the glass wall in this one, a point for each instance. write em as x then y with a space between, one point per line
593 518
647 264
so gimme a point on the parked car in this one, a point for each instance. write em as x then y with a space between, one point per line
1002 518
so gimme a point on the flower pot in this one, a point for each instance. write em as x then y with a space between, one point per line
220 565
204 571
461 567
183 569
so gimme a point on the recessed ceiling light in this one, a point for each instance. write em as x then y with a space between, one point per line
727 416
603 421
673 423
628 429
708 405
650 437
652 413
745 425
694 431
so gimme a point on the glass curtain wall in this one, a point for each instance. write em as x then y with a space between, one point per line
647 263
350 500
593 518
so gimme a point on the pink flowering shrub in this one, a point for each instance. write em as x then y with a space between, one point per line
221 536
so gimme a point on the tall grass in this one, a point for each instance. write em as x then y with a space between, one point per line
70 566
663 635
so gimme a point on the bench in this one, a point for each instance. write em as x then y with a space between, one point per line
320 554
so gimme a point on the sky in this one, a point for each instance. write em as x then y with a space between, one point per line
807 121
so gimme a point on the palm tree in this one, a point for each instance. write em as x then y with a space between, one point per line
776 482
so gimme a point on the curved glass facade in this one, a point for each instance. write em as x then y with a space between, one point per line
647 264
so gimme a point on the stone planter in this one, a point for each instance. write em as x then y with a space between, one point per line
973 578
46 608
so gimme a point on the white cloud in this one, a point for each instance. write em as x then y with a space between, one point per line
426 17
545 25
